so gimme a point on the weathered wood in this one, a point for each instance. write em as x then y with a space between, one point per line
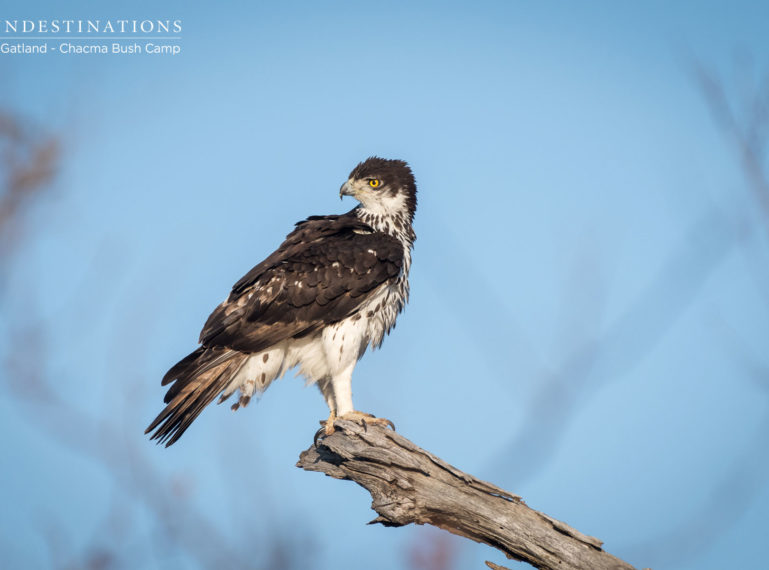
410 485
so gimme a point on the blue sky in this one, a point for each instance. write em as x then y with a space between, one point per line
574 191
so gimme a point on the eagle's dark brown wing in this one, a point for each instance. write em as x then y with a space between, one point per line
318 276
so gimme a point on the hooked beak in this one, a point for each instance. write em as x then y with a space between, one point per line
346 190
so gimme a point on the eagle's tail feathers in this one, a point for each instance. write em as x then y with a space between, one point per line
198 381
205 361
183 365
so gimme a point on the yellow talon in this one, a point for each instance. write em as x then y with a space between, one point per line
330 423
367 419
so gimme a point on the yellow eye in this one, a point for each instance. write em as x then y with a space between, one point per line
374 183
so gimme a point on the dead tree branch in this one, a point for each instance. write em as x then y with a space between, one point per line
410 485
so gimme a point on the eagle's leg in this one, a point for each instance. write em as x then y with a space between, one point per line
341 386
327 389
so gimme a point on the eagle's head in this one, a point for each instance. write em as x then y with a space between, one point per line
383 187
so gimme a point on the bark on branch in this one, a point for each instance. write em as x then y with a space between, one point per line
410 485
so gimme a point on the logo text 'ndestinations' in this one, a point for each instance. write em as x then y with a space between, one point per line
93 27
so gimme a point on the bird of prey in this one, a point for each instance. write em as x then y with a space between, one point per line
334 287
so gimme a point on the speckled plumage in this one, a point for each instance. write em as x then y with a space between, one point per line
334 287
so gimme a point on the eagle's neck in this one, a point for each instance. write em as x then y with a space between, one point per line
395 223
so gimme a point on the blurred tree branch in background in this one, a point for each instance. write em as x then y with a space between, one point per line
28 161
745 127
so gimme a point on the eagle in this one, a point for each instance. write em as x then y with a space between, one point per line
333 288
